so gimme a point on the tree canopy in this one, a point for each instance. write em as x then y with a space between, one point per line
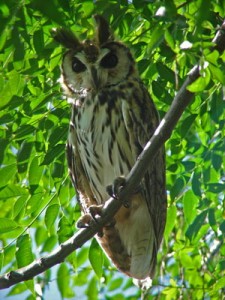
38 207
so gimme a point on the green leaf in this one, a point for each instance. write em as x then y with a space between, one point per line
115 284
35 171
38 40
7 225
220 284
35 201
49 10
217 74
92 290
65 230
53 153
196 184
24 255
212 219
19 206
222 226
41 235
178 187
186 124
185 259
200 84
194 228
212 57
96 257
11 191
24 152
216 187
51 215
82 256
87 8
14 86
156 37
169 39
165 72
63 281
24 131
30 286
50 243
190 202
17 289
7 173
58 134
170 221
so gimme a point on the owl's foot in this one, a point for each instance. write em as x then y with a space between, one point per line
84 221
94 212
114 189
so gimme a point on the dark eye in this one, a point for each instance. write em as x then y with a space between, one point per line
77 65
109 61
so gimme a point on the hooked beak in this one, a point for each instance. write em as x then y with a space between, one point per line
95 78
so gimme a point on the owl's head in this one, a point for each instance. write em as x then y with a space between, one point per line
94 64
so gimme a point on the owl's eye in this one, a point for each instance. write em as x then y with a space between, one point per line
109 61
77 65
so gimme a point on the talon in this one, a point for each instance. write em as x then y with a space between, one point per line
100 233
109 190
95 210
92 214
111 224
126 203
118 184
84 221
114 189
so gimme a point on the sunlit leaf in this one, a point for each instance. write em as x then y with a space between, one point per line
200 84
63 281
12 190
96 257
190 204
35 171
194 228
13 86
53 153
7 225
24 255
51 215
6 173
170 221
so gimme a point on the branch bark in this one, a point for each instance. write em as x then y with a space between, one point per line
161 135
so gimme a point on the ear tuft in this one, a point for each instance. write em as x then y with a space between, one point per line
104 33
65 37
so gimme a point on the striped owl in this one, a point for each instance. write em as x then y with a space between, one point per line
112 119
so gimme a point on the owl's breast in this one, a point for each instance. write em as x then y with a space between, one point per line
102 145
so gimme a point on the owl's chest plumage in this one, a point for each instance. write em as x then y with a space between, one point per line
106 151
102 137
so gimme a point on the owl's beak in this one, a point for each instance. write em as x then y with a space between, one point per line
95 78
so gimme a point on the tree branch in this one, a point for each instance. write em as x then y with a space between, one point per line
162 133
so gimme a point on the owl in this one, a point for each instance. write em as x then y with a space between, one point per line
112 119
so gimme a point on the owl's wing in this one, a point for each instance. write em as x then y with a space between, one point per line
141 119
77 174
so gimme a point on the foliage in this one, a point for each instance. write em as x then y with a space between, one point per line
37 204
